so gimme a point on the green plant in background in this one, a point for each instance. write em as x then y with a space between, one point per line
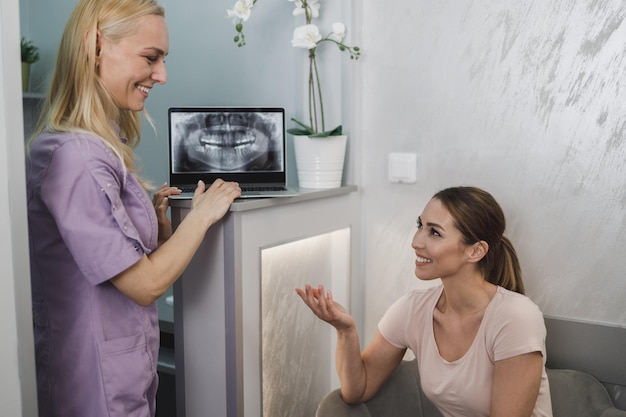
30 52
307 37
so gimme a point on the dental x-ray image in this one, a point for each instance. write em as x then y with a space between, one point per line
226 142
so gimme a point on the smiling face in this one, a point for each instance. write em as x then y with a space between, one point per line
130 68
438 244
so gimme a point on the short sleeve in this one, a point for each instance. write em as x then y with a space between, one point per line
76 189
392 326
520 328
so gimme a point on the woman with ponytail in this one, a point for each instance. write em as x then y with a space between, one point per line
479 342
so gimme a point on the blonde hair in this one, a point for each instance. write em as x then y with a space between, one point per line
77 100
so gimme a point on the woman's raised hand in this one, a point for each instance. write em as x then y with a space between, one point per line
325 308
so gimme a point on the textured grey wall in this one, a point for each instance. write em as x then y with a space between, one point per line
523 98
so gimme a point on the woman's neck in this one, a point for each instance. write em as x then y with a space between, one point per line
465 294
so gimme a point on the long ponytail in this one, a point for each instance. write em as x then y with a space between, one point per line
501 267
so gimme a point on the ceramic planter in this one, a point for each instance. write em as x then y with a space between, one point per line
319 161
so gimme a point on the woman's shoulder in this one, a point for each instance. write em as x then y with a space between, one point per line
52 140
419 297
513 297
515 306
67 146
408 315
514 325
433 291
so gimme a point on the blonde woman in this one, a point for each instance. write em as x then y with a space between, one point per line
479 342
101 251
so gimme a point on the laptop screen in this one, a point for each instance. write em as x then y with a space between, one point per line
243 144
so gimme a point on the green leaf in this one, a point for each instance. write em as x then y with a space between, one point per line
308 131
338 131
30 52
299 123
334 132
299 132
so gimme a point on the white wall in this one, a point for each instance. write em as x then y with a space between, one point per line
523 98
17 381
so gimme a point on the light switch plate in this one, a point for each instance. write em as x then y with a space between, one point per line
402 167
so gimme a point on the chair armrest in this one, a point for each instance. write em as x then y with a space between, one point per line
333 406
613 412
579 394
399 396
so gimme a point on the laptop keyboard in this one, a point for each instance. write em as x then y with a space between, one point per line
187 188
244 188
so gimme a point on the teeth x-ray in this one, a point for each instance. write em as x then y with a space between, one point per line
226 142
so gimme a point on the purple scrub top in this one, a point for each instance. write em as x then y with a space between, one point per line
96 349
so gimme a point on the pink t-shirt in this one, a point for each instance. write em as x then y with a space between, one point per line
512 325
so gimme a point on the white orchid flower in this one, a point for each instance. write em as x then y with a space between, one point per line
240 11
312 5
306 37
339 32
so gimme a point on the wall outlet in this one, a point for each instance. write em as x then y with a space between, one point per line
402 167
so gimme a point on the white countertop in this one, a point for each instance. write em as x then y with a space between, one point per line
256 203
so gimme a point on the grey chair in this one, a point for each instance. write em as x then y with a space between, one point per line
573 393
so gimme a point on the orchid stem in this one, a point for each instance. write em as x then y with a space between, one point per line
312 106
319 94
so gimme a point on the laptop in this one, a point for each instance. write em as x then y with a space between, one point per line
242 144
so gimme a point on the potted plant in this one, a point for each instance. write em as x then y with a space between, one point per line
30 55
316 147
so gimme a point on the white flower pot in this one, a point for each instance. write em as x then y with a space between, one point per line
319 161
